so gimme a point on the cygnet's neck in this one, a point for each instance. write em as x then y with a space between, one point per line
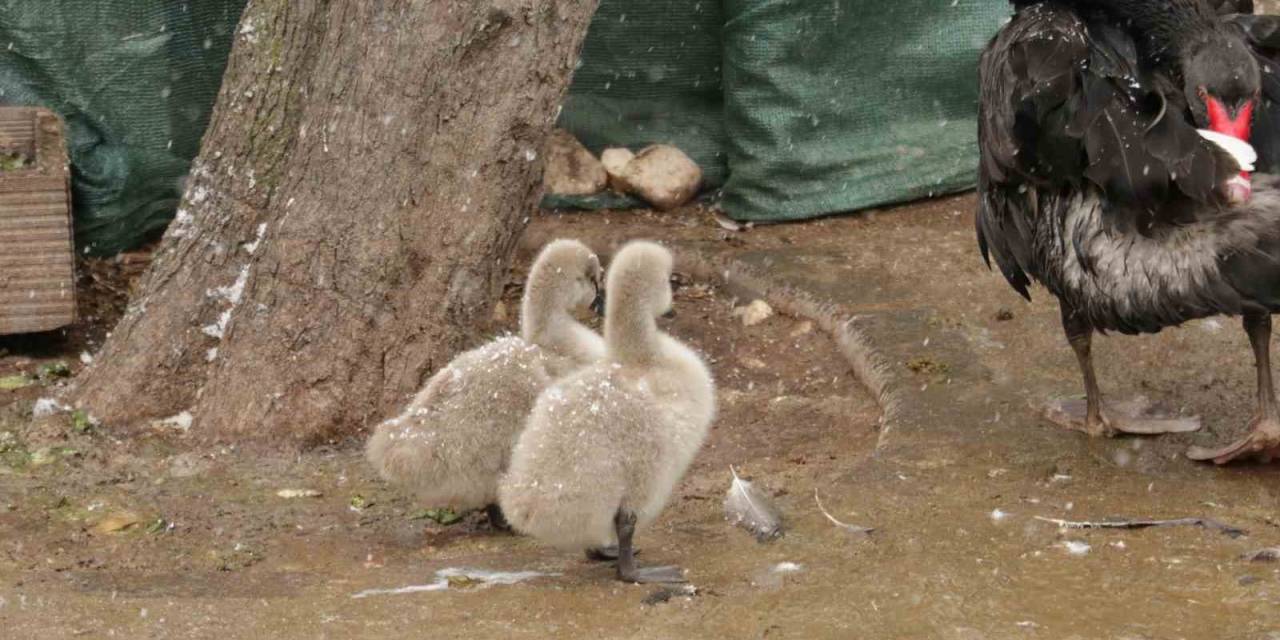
552 327
631 333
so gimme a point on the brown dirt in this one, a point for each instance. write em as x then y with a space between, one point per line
206 548
960 474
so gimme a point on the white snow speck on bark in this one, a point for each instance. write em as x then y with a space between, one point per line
249 31
253 246
218 329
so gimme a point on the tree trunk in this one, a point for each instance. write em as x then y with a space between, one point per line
367 170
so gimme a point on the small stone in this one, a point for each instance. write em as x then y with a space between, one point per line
570 169
615 161
803 327
1268 554
180 422
665 594
755 313
663 176
1004 315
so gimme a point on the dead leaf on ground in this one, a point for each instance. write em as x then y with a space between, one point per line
116 522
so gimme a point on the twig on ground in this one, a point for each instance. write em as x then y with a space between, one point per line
1207 523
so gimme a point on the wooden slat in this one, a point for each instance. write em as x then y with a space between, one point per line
33 324
37 255
50 197
20 300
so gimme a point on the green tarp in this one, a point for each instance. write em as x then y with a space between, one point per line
838 105
796 108
135 81
793 108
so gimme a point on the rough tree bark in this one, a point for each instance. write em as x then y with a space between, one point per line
367 170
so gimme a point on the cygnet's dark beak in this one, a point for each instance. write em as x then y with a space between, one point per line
597 303
671 313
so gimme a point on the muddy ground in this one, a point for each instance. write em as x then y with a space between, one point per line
149 538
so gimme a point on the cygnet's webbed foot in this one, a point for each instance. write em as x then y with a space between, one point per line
606 554
496 519
625 525
1261 443
1133 416
652 575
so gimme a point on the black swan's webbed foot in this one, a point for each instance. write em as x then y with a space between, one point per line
1263 440
1092 415
1261 443
1134 417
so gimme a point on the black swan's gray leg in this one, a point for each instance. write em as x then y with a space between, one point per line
1093 416
625 524
1263 439
496 519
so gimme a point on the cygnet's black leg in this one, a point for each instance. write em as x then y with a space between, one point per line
604 554
496 519
625 523
608 553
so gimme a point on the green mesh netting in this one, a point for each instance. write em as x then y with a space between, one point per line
135 81
845 104
798 108
650 72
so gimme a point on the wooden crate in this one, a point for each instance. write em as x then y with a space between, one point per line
37 252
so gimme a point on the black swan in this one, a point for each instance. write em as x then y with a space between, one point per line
1115 170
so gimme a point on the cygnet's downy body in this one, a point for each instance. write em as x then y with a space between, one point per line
605 446
452 443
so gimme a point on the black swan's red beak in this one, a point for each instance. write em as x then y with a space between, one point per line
1237 124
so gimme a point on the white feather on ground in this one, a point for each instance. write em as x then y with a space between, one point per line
851 528
748 507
